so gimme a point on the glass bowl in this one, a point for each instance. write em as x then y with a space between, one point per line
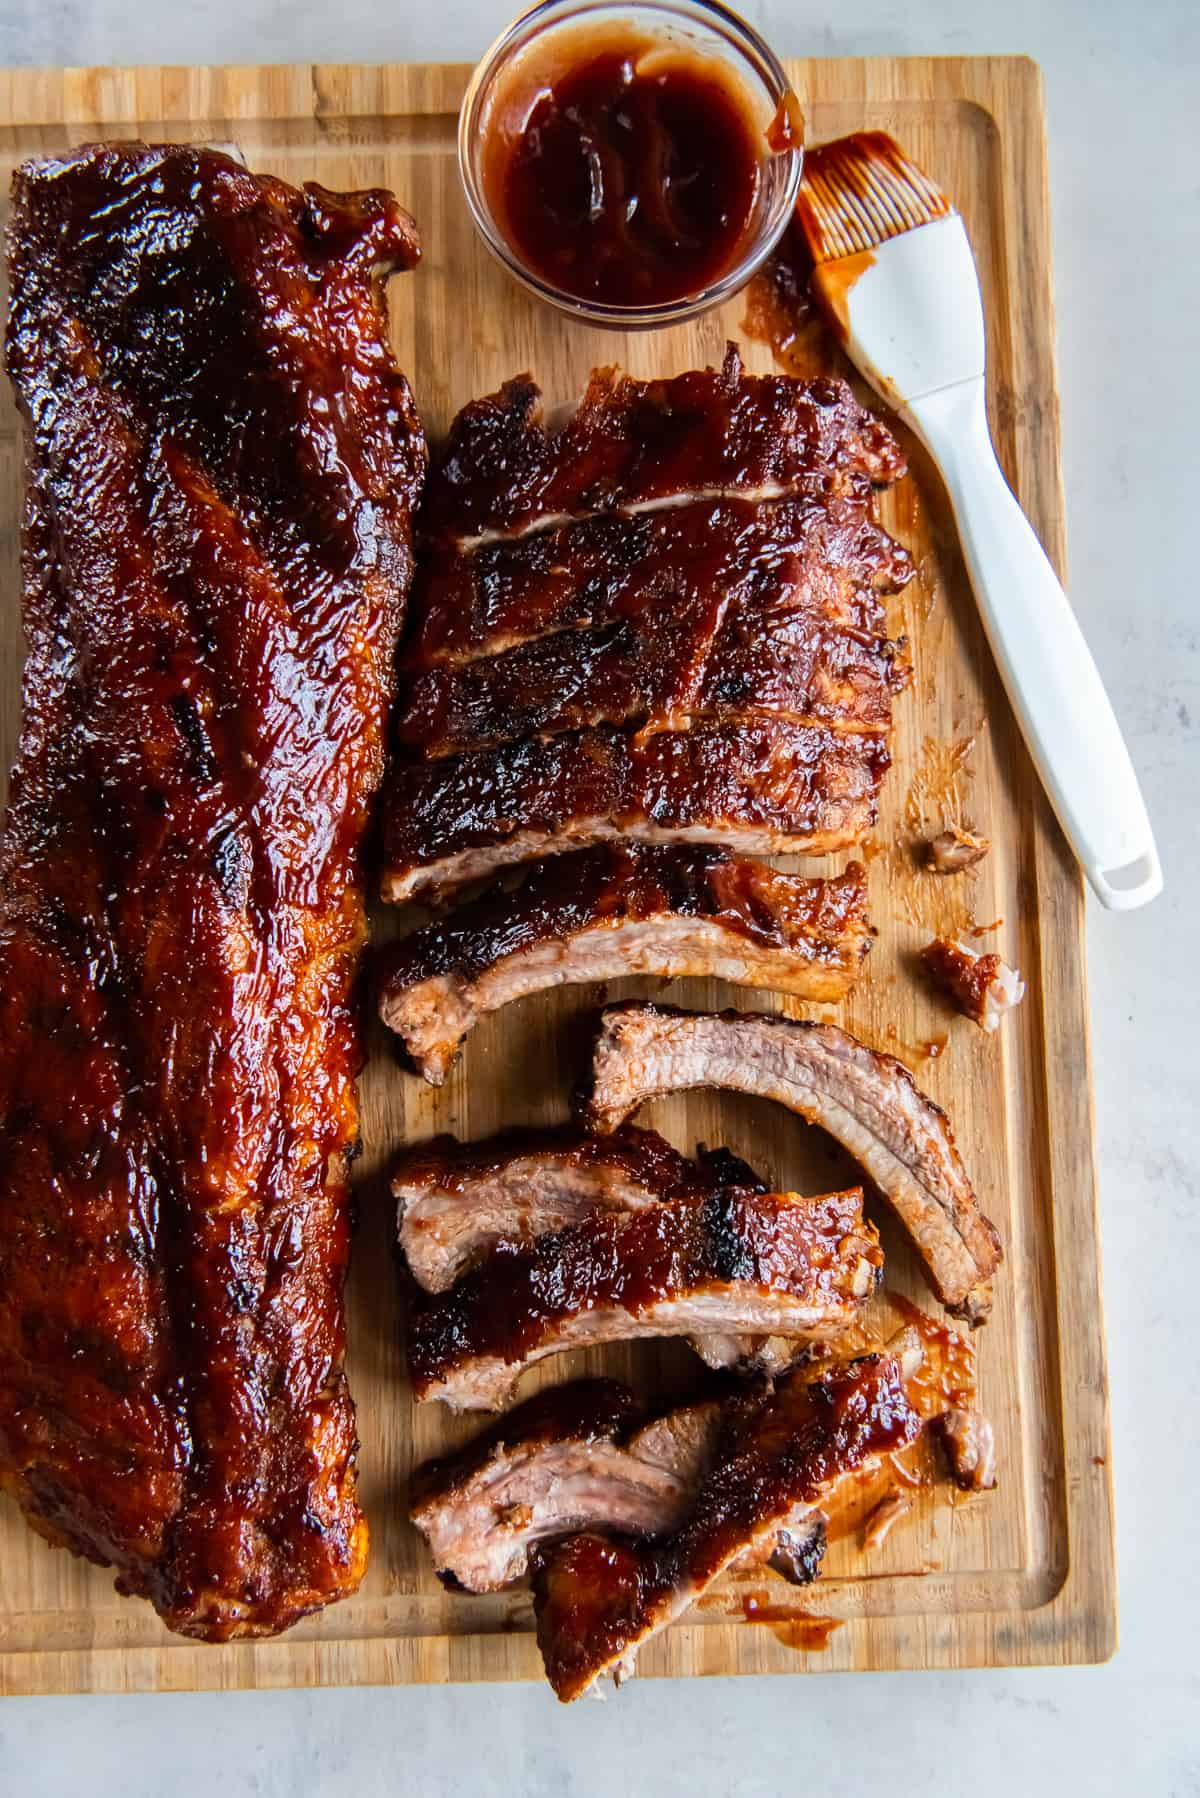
701 27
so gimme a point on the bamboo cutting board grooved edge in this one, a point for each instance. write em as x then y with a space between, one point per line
1023 1576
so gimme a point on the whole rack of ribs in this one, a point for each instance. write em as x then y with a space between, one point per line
221 459
605 913
664 621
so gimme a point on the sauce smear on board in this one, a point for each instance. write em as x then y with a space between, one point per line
625 170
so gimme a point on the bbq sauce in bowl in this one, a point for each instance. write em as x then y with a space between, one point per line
631 178
632 169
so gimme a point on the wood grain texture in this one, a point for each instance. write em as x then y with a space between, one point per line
1023 1576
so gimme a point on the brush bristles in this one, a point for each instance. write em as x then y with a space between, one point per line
859 191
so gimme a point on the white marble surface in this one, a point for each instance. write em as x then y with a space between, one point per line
1123 91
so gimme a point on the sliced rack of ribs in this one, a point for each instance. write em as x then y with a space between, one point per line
572 1457
735 1261
221 462
664 621
616 911
867 1100
638 444
456 1201
599 1597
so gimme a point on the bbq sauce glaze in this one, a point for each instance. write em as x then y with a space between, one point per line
625 170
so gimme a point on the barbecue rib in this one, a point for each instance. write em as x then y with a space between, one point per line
868 1101
221 463
663 622
584 1457
768 785
616 911
814 559
599 1598
737 1260
573 1456
635 444
704 608
456 1201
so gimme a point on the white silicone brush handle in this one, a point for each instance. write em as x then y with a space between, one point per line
1047 668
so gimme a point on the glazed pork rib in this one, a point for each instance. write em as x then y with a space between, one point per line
664 622
221 461
703 609
767 785
868 1101
598 1598
616 911
736 1261
633 445
584 1456
814 558
580 1456
456 1201
571 1457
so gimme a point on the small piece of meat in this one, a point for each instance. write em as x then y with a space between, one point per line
598 1599
813 559
867 1100
456 1201
614 911
970 1446
739 1261
953 850
982 986
800 1548
883 1519
575 1456
634 444
765 786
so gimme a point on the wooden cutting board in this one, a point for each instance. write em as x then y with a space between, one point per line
1023 1576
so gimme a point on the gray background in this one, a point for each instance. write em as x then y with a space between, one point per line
1123 96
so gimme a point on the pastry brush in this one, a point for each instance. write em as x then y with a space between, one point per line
893 266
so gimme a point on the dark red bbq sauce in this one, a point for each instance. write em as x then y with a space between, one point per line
627 172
